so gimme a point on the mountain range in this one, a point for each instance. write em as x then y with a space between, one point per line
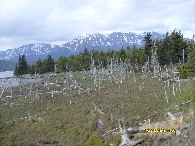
97 41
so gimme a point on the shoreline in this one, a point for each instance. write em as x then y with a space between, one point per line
16 81
23 79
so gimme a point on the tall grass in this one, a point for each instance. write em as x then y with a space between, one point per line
54 121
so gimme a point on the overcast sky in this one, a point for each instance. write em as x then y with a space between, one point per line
34 21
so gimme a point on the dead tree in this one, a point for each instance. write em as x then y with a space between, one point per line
125 138
2 92
166 94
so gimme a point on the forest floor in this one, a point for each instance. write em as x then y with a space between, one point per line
70 117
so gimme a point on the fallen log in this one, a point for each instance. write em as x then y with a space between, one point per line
183 103
2 93
171 116
97 109
169 126
125 138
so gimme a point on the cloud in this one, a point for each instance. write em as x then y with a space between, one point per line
29 21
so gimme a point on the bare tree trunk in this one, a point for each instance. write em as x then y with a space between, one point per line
36 93
168 83
52 94
99 82
124 135
166 95
11 93
2 93
173 89
111 117
183 56
30 89
179 86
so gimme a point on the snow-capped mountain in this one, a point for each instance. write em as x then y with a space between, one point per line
33 52
115 40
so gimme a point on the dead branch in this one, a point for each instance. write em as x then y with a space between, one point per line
183 103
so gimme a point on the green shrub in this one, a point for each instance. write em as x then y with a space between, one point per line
192 95
183 71
95 140
117 140
188 69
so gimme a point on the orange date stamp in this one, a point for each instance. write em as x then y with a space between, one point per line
160 130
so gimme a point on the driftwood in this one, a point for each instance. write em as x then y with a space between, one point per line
183 103
2 93
171 116
97 109
125 138
165 126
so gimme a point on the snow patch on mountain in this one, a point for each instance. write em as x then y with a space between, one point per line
58 43
109 44
115 40
125 38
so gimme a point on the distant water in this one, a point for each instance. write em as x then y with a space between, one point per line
7 79
6 74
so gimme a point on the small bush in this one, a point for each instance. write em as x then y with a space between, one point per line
117 140
192 95
95 140
183 71
188 69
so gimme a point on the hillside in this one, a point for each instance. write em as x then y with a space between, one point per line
68 112
7 65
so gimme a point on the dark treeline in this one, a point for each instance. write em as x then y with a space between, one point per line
170 50
22 67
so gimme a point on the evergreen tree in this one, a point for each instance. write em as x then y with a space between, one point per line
50 63
86 59
47 65
22 66
31 69
103 59
148 45
77 63
16 70
61 63
128 52
39 67
177 46
188 69
44 66
162 52
110 53
70 62
96 56
122 54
